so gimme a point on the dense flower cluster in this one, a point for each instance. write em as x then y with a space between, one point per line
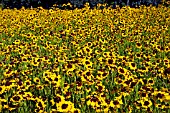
84 60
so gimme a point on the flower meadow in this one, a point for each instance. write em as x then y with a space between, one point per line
85 60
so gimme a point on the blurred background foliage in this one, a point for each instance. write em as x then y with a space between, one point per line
78 3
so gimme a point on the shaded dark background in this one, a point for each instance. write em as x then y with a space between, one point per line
47 4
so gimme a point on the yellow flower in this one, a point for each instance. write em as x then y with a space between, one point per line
87 63
37 80
132 65
70 67
17 42
160 106
146 103
138 45
65 106
17 98
122 70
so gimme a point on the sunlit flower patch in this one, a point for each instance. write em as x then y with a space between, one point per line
84 60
